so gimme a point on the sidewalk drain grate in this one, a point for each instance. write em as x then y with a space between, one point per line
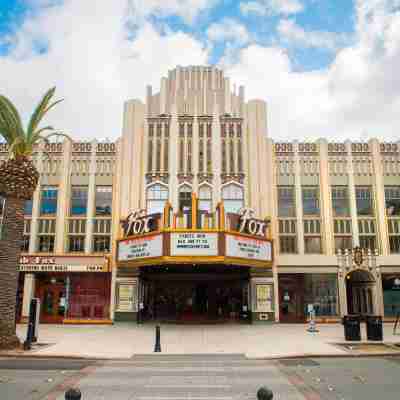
304 362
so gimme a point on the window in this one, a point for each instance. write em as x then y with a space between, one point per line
286 201
364 200
48 201
310 197
312 244
394 242
368 242
157 195
340 201
101 244
103 201
25 243
2 206
205 199
28 206
343 242
288 244
367 231
321 290
76 244
46 244
392 200
185 203
394 234
233 198
78 200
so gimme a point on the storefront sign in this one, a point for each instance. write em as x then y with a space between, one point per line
194 244
250 248
61 268
37 260
138 223
138 248
264 298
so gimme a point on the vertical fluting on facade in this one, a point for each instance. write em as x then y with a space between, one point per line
299 199
64 191
91 209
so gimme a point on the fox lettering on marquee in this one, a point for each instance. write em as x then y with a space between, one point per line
138 223
251 225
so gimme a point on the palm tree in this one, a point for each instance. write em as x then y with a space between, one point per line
18 181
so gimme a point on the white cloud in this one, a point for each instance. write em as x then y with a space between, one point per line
271 7
358 95
92 63
228 30
295 35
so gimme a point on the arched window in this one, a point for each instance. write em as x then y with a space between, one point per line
233 198
205 198
185 198
157 195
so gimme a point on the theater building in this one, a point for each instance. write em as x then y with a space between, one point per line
164 223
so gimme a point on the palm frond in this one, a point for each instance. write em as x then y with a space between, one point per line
12 146
10 121
42 108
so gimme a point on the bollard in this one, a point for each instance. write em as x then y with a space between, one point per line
264 394
73 394
157 347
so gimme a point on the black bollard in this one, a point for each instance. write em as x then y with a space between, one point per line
264 394
157 347
73 394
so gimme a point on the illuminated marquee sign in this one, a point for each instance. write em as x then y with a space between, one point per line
249 224
194 244
138 223
249 248
139 248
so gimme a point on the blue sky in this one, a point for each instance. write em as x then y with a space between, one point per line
325 68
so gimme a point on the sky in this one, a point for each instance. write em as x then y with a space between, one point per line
326 68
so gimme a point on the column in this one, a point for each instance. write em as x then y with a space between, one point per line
29 293
91 206
216 154
326 203
379 190
195 150
36 205
299 199
352 195
63 198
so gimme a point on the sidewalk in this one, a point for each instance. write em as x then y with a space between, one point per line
124 340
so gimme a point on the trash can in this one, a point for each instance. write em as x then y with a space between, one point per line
374 327
352 327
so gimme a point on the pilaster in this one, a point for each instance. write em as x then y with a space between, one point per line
63 198
299 198
216 154
173 158
91 206
379 190
352 195
326 203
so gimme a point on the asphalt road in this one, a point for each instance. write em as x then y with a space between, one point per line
201 377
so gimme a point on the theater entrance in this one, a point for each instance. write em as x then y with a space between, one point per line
184 295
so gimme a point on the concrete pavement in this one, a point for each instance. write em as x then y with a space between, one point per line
124 340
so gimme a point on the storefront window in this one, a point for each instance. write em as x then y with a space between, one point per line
89 296
78 200
321 290
391 294
233 198
103 200
48 201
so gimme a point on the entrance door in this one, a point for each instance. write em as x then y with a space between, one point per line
52 302
291 298
360 292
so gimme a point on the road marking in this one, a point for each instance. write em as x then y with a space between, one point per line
189 385
182 398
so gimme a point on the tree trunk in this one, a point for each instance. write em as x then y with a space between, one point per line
10 250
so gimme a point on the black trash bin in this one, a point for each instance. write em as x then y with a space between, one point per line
352 327
374 327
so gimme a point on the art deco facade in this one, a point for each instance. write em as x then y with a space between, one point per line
191 150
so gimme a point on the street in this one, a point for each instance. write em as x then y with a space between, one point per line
201 377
